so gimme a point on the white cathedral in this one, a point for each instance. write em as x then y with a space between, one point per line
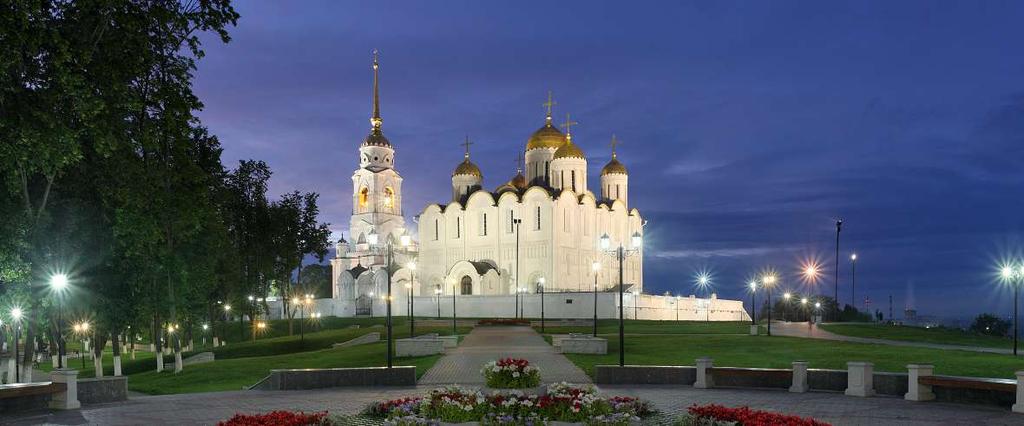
490 253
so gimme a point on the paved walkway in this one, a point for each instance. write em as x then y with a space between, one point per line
801 329
462 365
835 408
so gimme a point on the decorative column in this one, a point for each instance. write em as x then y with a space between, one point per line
915 390
704 379
67 400
799 377
1019 406
860 379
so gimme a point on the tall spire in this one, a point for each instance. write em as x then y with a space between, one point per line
550 103
376 121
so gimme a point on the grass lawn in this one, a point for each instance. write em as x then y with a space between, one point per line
611 326
234 374
779 352
946 336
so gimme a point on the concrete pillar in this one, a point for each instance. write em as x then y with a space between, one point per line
799 377
67 400
860 379
10 370
754 330
1019 406
117 365
704 379
916 391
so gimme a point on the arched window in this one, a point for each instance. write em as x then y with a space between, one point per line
467 285
389 197
364 196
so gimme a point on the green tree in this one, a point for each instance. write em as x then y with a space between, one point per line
990 325
316 279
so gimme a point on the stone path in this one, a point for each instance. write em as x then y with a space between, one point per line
835 408
801 329
462 365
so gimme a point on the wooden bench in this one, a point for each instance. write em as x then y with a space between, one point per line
19 390
999 385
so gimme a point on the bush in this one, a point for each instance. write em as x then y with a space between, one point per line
990 325
511 373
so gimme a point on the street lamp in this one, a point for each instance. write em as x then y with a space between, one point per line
453 309
206 327
412 294
753 302
769 282
620 253
596 267
704 282
437 295
540 287
224 325
1013 276
16 314
59 283
404 240
785 308
516 222
853 280
636 308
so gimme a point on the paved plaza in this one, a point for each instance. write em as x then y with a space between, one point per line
462 366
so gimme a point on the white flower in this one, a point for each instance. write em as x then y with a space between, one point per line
515 374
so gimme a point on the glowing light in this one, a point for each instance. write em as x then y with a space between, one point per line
59 282
411 266
227 308
787 295
752 285
206 327
853 257
817 304
373 237
595 266
1007 272
406 240
638 240
295 300
16 313
605 242
803 301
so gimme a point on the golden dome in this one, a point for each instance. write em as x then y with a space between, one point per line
546 137
467 167
518 181
613 167
569 150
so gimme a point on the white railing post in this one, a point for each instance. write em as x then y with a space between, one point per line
799 377
67 400
1019 406
915 390
860 379
704 379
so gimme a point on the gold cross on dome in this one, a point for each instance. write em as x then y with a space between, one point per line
615 143
519 163
550 103
568 123
466 144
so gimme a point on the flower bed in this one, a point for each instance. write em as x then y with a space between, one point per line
503 321
277 418
511 373
744 416
562 402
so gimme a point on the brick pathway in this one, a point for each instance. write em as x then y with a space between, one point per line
835 408
462 365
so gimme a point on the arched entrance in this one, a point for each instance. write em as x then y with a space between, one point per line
467 285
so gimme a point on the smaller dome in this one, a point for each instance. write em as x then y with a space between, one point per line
546 137
376 138
569 150
518 181
467 167
613 167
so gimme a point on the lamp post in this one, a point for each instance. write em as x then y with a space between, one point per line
769 282
677 308
1014 276
373 238
16 314
59 283
224 325
839 227
753 302
453 309
412 294
785 307
803 306
853 280
704 281
540 288
252 320
596 267
620 253
516 222
636 307
437 295
205 328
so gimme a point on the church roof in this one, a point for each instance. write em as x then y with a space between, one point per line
569 150
357 270
467 167
376 136
482 267
547 136
613 166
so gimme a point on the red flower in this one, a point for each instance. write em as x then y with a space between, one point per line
275 418
744 416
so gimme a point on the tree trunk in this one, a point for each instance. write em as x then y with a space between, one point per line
115 344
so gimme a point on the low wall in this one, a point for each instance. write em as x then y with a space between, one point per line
644 375
752 377
102 389
891 384
299 379
827 380
361 340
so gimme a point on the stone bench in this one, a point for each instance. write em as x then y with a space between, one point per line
319 378
449 341
61 393
556 339
922 384
584 345
418 347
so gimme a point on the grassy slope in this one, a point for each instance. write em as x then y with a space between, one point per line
234 374
779 352
657 327
918 334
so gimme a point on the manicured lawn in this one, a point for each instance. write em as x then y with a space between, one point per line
611 326
939 335
236 374
779 352
318 340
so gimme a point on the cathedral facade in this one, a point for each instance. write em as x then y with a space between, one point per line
536 232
